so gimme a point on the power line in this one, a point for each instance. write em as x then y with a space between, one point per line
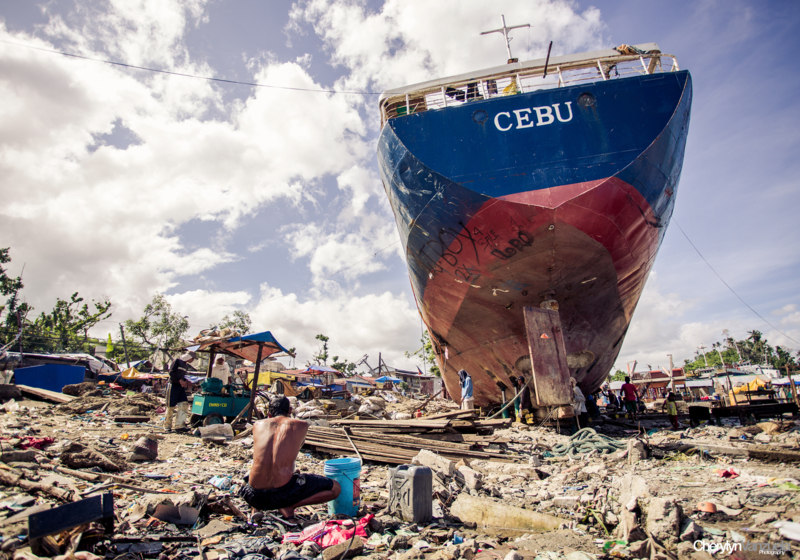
184 75
728 286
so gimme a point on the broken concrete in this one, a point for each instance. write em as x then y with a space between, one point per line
436 462
489 513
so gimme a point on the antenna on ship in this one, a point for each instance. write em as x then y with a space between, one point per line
504 30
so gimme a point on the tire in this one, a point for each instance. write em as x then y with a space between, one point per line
213 418
194 420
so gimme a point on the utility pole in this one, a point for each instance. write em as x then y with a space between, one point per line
124 346
504 30
671 380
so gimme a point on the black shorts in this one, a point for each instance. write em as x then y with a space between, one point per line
300 487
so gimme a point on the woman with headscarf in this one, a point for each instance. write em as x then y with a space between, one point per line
176 391
467 401
578 403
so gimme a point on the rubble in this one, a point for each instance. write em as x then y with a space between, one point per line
631 493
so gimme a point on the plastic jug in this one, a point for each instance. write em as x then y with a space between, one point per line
411 493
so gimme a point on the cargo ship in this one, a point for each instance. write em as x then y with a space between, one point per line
549 180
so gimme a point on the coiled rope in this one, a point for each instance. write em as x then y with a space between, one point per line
587 440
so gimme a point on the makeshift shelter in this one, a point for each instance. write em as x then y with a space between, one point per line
252 347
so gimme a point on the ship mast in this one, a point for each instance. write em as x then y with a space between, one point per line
504 30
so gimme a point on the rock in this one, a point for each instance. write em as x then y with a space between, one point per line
632 486
436 462
731 501
543 496
690 531
586 498
664 519
337 552
513 555
568 502
763 438
636 451
610 518
472 479
504 478
412 554
598 470
685 549
764 518
447 553
398 542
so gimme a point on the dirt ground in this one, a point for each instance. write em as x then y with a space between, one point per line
617 500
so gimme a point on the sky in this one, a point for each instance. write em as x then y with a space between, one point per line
122 183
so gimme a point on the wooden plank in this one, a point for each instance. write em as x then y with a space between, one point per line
131 419
763 453
454 414
44 394
548 357
422 423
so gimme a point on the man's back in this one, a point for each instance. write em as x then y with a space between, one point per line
630 391
276 443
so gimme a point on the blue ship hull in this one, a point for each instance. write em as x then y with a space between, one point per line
563 193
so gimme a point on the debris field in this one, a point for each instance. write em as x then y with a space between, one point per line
98 476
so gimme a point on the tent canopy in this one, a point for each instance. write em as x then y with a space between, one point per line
386 378
754 385
245 347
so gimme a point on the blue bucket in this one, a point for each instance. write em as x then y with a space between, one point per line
346 472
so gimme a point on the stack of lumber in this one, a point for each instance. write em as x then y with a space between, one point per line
392 448
391 441
457 421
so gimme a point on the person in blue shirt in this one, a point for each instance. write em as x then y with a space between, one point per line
467 401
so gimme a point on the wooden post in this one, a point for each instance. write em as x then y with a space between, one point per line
548 357
254 387
211 358
124 345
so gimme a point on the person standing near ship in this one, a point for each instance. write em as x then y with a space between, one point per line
629 397
525 405
467 400
176 391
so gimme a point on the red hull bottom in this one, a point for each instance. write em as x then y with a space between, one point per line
590 246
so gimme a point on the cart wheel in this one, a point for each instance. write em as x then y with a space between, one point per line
213 418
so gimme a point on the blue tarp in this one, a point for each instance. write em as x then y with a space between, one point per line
312 383
52 377
386 378
265 336
785 381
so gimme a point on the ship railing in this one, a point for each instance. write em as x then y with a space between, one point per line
525 81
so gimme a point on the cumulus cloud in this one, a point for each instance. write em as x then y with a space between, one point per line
86 214
408 41
660 327
355 322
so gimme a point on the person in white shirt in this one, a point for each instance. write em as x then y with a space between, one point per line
221 370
